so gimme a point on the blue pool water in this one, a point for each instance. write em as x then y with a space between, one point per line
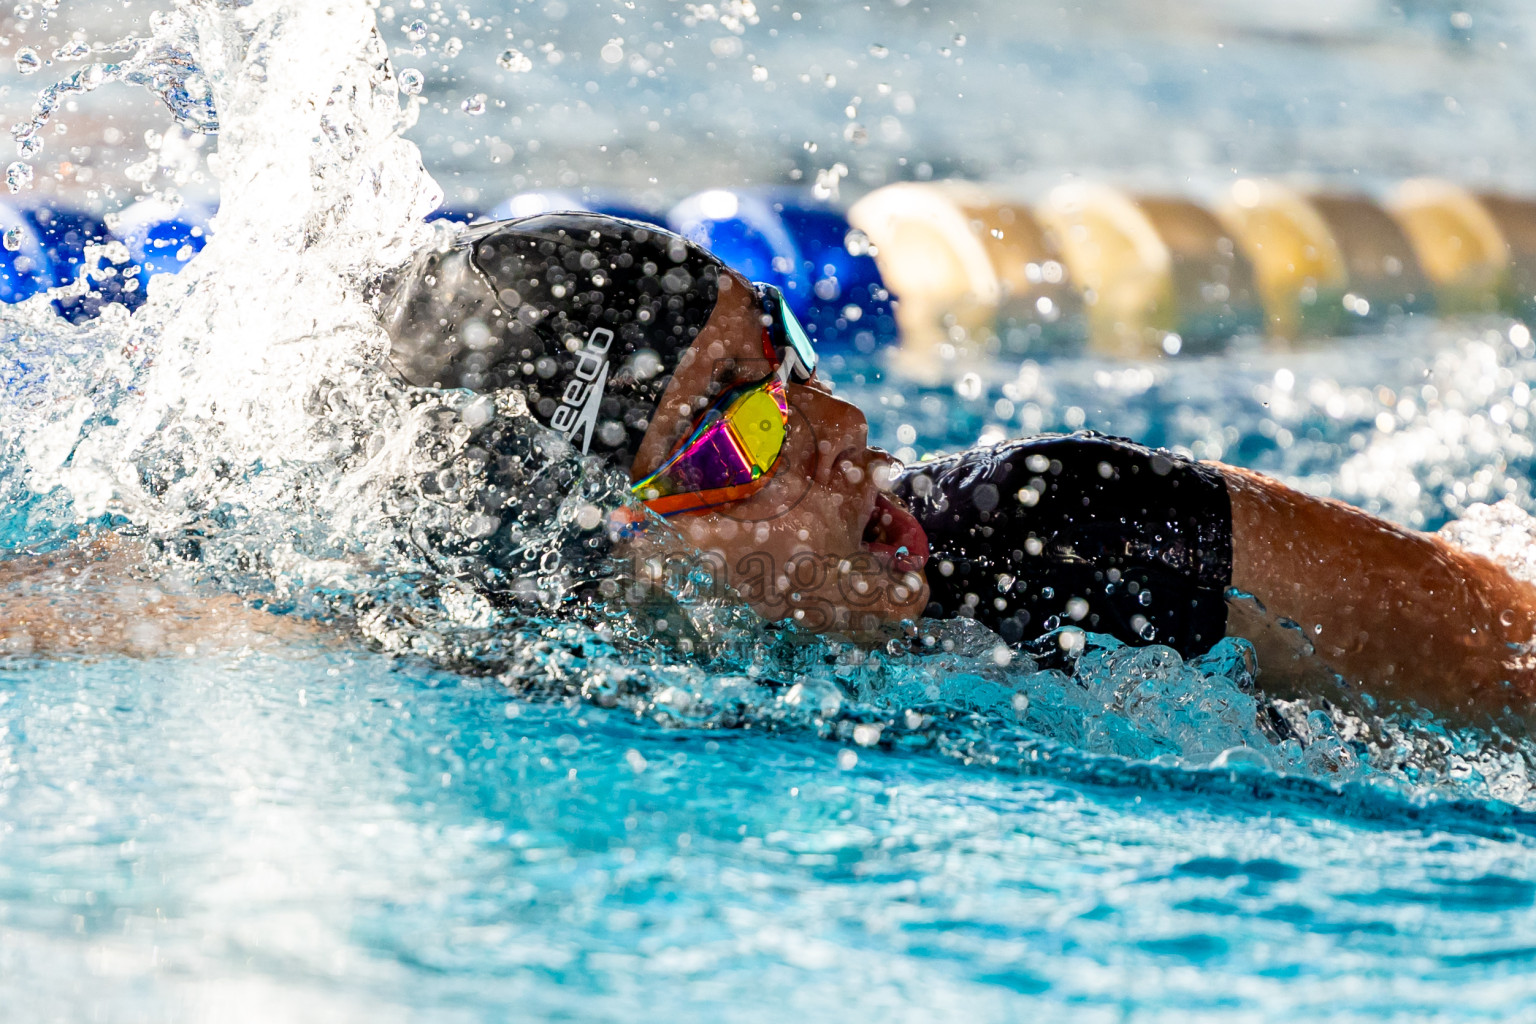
593 824
314 836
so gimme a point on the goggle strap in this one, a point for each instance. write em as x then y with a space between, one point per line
787 365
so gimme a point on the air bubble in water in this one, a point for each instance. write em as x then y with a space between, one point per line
18 176
30 146
759 73
515 61
411 81
12 240
453 47
474 106
416 30
24 12
27 60
879 51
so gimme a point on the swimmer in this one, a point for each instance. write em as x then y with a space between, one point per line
700 391
648 354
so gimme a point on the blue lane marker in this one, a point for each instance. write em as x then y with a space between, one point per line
65 233
456 214
848 303
26 270
162 238
774 235
802 246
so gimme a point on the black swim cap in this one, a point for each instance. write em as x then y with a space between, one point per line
586 315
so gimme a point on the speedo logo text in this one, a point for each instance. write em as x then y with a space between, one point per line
584 393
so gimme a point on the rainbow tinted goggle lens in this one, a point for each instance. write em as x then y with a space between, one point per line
735 445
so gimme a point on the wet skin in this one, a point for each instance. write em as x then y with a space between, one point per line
1332 590
796 549
107 596
1405 614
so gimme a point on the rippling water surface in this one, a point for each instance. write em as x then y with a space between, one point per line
592 822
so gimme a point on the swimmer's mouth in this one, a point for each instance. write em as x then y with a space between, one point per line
895 532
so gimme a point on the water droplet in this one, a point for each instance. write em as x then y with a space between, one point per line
612 51
959 40
18 176
12 240
879 52
27 60
416 30
474 105
866 734
453 47
25 12
72 50
759 73
30 146
411 81
515 61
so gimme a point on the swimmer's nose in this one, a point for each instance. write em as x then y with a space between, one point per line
841 436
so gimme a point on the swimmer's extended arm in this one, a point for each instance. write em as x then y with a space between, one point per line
1406 613
95 599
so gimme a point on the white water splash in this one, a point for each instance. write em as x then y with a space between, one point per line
1504 532
202 405
319 195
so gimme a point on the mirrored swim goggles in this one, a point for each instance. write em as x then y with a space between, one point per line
735 444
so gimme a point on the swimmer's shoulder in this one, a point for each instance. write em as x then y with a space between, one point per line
1040 453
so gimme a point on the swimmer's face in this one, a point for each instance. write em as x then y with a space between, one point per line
821 543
